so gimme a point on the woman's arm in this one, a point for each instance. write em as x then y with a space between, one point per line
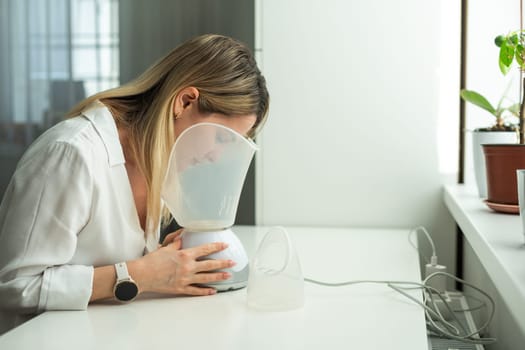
46 205
167 270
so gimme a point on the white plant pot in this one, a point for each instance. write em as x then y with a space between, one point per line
487 137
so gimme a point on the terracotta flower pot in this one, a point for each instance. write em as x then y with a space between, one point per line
482 137
502 161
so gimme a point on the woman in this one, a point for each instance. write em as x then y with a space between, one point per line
81 216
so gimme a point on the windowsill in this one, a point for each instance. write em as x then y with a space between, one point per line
497 240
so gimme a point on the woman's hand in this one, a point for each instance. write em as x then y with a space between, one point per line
170 238
172 270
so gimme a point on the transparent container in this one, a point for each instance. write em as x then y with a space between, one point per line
206 172
275 282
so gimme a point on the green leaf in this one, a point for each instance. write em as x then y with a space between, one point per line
499 40
514 39
478 100
503 68
506 56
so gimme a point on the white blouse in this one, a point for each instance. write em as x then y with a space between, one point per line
68 208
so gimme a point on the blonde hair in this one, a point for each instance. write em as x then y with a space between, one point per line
229 82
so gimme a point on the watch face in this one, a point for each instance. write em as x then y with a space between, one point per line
126 291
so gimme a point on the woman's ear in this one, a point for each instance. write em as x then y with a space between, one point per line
184 99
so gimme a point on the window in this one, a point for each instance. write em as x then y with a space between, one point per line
53 53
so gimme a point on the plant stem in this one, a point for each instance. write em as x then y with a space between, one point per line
522 115
522 87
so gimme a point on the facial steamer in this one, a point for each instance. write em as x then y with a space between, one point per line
206 172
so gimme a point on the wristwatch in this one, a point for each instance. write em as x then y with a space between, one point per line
125 289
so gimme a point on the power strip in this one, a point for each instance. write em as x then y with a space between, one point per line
456 301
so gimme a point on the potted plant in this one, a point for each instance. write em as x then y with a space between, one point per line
502 160
501 131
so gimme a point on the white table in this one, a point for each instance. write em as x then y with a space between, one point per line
364 316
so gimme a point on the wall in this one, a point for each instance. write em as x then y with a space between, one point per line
487 19
352 137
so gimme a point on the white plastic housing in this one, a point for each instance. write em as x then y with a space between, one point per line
235 250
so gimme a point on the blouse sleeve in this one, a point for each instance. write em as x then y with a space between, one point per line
46 205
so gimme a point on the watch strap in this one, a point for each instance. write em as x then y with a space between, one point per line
122 271
125 289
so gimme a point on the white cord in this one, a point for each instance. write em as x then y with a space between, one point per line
432 311
436 322
472 308
433 259
492 304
